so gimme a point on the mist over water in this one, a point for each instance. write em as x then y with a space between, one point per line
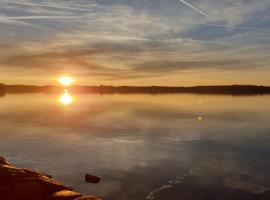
143 146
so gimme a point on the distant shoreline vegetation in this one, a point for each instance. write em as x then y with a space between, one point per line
2 89
222 89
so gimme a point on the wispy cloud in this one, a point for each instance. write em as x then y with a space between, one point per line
135 42
36 17
227 26
47 6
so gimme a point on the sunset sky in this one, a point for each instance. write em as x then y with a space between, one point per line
135 42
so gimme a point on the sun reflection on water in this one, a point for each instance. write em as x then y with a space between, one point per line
66 98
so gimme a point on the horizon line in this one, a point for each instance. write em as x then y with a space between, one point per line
105 85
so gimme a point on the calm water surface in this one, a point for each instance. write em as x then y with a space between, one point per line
143 146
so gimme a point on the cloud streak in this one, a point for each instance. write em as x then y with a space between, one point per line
220 25
36 17
93 11
48 6
228 27
194 8
135 42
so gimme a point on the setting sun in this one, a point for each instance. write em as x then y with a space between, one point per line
66 80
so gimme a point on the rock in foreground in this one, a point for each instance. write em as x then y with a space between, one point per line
22 184
91 179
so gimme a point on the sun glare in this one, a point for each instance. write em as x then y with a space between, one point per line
66 98
66 81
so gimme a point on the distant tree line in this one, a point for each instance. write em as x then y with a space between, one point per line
225 89
2 89
231 89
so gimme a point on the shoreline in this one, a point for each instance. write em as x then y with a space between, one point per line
222 89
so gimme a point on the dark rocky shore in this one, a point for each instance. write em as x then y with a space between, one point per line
22 184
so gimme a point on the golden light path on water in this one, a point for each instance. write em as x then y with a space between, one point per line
66 98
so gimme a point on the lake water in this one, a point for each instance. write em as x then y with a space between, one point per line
143 146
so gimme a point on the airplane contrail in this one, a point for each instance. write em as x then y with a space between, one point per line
220 25
194 8
87 10
47 6
36 17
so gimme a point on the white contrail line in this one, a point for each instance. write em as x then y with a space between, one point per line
194 8
36 17
201 12
46 5
91 11
219 25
